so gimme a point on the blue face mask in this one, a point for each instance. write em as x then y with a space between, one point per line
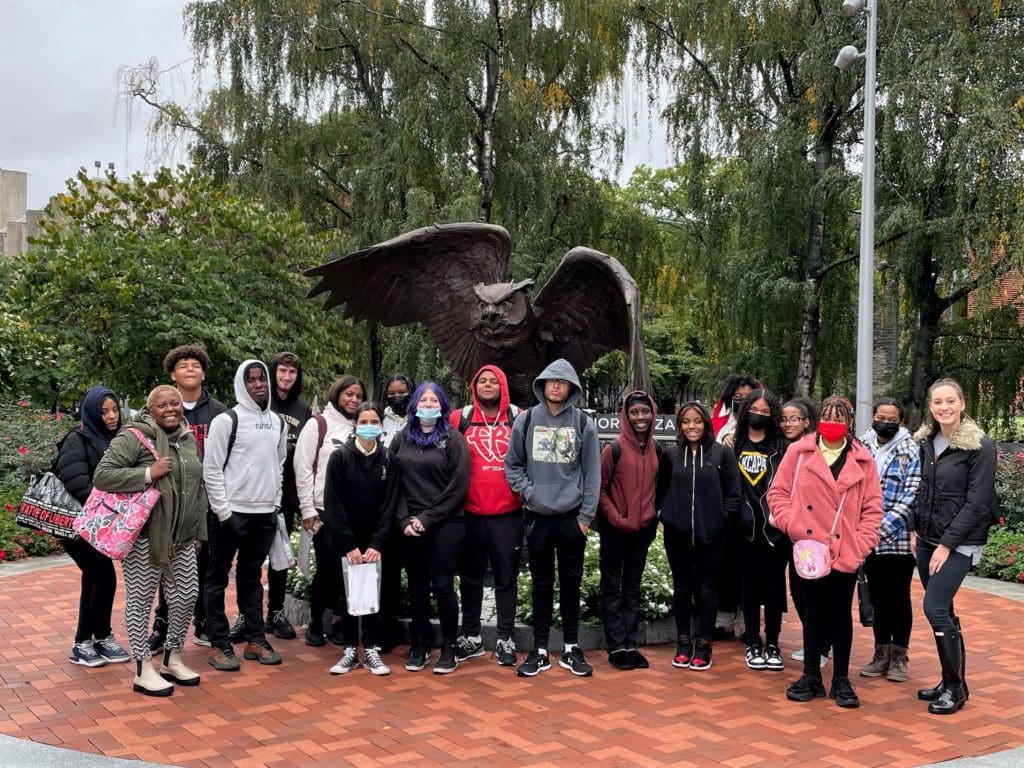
369 431
428 415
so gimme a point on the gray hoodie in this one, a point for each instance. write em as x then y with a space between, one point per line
249 480
549 464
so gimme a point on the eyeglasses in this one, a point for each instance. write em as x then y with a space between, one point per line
792 419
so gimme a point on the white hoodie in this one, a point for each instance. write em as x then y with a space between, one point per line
250 482
310 487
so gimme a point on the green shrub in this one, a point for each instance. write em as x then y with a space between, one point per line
16 541
28 441
655 588
1003 556
1009 471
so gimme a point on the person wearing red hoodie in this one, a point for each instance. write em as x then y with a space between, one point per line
827 490
627 522
494 516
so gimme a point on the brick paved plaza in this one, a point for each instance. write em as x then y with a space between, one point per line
299 715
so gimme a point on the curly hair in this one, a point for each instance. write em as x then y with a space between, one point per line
186 352
773 432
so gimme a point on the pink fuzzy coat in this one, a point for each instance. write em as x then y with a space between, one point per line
808 512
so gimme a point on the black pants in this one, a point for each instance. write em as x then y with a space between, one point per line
828 617
250 537
940 589
695 568
889 583
764 583
548 537
729 579
623 557
498 538
392 561
324 590
202 565
350 624
99 584
795 589
431 562
277 581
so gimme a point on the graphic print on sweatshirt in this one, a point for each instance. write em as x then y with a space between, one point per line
490 443
555 445
753 465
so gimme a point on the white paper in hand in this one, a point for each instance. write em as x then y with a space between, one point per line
305 548
362 587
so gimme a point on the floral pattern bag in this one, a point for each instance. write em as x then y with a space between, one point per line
111 521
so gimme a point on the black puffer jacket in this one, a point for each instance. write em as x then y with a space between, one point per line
76 461
956 503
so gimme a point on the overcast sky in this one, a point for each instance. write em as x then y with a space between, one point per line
58 108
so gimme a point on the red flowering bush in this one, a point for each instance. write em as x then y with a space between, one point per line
1010 489
28 440
1003 557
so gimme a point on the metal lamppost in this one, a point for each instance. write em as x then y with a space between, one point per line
866 282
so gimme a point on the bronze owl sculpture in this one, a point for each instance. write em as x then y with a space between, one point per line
449 277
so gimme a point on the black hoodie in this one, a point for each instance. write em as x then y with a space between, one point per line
296 412
699 491
201 415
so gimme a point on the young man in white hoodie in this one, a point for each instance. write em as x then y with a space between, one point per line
243 467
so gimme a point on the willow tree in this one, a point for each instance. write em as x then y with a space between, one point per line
754 82
951 189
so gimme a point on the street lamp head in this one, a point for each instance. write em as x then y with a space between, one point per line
852 7
847 55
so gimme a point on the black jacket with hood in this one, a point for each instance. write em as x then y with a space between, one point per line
699 490
956 503
295 412
754 512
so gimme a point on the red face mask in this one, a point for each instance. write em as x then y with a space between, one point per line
833 431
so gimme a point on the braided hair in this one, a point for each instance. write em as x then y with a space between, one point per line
836 408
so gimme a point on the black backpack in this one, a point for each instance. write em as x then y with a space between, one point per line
467 411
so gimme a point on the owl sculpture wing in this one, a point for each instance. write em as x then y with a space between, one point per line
589 306
424 276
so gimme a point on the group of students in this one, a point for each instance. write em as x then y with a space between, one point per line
443 492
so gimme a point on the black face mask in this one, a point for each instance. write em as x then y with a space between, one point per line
885 429
399 403
736 403
758 420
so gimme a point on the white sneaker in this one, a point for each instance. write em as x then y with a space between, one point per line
372 661
349 660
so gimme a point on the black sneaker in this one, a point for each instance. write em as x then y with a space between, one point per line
85 653
843 693
684 652
773 658
806 688
505 652
620 659
701 655
337 634
418 659
315 637
639 660
467 648
237 632
158 635
755 655
535 664
448 661
280 626
576 663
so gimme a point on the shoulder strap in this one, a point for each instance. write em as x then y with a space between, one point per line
616 453
796 474
231 438
142 438
321 433
464 414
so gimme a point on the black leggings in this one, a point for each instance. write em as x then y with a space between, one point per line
889 583
431 562
694 570
99 584
828 615
940 589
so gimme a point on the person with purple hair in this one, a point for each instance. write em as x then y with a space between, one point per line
433 461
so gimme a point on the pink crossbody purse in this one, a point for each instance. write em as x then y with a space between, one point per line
812 558
112 521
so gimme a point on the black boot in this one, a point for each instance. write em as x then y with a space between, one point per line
963 658
952 697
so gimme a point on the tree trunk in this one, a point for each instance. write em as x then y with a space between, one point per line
814 276
930 309
376 363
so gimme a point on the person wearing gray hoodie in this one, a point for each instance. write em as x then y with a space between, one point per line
554 464
243 467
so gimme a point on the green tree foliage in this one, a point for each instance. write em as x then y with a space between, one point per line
125 269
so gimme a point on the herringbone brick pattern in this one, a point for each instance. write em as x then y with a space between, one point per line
298 715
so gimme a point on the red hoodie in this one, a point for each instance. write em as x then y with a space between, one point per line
488 438
627 495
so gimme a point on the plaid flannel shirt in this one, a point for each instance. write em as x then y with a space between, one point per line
900 477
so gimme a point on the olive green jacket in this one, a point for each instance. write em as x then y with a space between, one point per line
180 515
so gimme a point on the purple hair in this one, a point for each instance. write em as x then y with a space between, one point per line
413 433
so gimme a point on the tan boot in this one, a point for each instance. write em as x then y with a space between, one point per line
148 682
879 663
898 665
174 670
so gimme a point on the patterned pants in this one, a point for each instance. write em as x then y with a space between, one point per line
141 580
